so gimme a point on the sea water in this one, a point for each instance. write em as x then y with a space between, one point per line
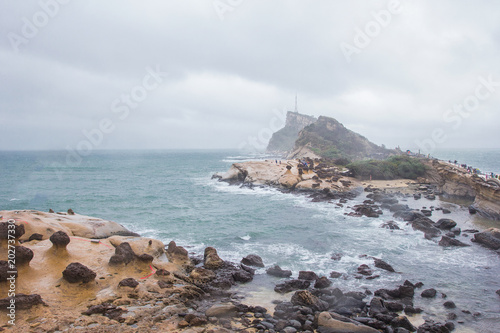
169 195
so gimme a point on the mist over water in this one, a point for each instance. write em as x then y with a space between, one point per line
170 195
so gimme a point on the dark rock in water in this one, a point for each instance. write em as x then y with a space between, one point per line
278 272
429 293
426 212
446 211
5 270
448 241
23 255
322 283
305 298
489 238
426 225
242 276
71 212
472 210
35 236
248 269
431 327
379 263
498 292
449 305
60 239
252 260
4 230
336 256
335 275
22 301
456 231
123 254
430 197
408 215
292 285
76 272
390 225
399 207
377 306
409 309
402 321
364 270
394 306
212 259
106 309
445 224
128 282
146 258
417 196
307 275
366 210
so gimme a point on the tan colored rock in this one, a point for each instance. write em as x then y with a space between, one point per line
212 259
325 320
140 245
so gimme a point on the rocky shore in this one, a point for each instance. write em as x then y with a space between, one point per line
81 274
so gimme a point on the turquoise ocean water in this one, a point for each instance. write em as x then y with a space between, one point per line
170 195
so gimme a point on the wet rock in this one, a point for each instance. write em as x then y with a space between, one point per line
35 236
76 272
448 241
278 272
177 254
336 256
426 225
222 310
335 275
472 210
5 270
252 260
426 212
23 255
4 230
292 285
408 215
446 211
22 301
449 305
242 276
429 293
398 207
305 298
307 275
322 283
498 292
403 322
123 254
248 269
394 306
431 327
212 259
445 224
377 305
489 238
409 309
326 323
390 225
367 210
106 309
195 320
379 263
128 282
364 270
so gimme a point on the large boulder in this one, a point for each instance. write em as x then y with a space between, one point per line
212 259
177 254
292 285
123 255
60 239
5 227
445 224
379 263
128 282
278 272
253 260
427 226
22 301
23 255
448 241
202 275
5 271
305 298
76 272
308 275
221 310
327 324
489 238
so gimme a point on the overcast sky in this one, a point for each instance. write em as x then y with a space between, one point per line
217 74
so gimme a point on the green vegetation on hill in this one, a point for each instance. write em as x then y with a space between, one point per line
330 139
392 168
